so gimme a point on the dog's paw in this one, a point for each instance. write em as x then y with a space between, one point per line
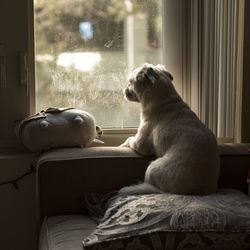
127 142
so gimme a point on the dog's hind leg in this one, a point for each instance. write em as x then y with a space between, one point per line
161 174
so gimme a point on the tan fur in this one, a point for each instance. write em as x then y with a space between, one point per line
187 154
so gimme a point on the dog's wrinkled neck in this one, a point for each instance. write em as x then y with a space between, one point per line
162 91
158 99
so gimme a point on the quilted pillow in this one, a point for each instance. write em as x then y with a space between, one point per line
168 221
57 127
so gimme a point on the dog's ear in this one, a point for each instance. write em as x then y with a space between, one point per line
163 69
150 75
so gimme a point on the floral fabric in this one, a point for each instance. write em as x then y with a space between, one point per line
168 221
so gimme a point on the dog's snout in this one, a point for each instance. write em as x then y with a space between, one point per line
128 94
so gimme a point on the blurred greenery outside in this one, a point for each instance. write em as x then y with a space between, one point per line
97 88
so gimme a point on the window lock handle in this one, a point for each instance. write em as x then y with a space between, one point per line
24 70
3 81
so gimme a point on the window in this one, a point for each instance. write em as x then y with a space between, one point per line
182 49
85 49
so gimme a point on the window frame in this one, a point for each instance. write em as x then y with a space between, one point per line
111 136
31 58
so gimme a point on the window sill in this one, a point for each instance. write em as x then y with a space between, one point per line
110 137
115 137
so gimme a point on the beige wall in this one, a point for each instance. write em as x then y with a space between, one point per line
14 36
246 78
18 223
17 207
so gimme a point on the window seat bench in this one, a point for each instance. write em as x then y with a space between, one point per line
64 175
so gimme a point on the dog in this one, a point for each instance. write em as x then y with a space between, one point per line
187 158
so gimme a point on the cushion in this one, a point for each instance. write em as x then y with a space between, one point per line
57 127
65 232
168 221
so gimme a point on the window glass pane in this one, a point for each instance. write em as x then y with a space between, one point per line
85 49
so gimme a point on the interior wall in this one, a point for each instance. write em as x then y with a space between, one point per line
14 36
245 134
18 226
18 217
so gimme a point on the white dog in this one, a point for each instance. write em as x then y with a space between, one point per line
186 150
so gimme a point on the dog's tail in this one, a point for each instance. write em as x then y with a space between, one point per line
139 189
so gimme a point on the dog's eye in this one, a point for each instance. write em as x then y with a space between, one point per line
140 78
131 81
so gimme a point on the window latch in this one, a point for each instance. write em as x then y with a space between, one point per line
3 81
24 70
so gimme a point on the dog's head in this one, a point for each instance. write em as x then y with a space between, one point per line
144 79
